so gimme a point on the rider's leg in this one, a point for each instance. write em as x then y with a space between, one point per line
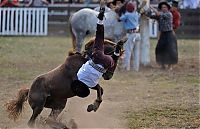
97 102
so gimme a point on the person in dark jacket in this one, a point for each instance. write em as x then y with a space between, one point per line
176 15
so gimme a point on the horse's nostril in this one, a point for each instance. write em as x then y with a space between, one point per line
106 78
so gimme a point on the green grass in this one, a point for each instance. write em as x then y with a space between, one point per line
165 117
180 84
24 58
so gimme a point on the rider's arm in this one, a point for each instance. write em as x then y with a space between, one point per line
123 18
115 57
99 39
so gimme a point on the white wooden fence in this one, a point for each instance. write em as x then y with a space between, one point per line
23 21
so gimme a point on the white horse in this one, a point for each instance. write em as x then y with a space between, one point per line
83 23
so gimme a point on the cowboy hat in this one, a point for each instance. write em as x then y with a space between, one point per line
163 3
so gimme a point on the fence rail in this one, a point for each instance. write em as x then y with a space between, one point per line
23 21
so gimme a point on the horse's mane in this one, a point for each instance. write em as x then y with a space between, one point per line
72 52
92 40
88 47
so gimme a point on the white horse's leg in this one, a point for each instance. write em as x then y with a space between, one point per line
79 41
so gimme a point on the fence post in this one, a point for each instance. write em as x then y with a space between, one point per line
29 23
46 21
4 21
0 21
145 43
17 22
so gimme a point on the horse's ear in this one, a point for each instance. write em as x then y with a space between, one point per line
89 43
122 52
71 52
108 41
122 41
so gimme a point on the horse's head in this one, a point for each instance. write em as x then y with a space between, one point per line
109 48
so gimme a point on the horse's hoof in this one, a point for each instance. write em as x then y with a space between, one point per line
90 108
31 124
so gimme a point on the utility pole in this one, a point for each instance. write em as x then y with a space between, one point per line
145 41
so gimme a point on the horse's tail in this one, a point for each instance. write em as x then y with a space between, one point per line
72 33
14 107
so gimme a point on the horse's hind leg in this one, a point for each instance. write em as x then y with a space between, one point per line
36 112
79 41
55 113
37 99
57 108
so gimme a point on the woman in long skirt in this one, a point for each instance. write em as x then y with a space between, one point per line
166 49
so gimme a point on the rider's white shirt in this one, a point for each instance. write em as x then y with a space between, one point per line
88 75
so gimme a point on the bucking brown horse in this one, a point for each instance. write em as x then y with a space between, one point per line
52 89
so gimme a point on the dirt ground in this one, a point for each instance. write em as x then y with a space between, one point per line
150 98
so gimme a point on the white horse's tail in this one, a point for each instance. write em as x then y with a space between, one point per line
72 33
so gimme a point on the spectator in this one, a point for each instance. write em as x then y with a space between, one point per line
106 8
132 46
192 4
111 5
118 3
153 1
166 49
39 3
9 3
176 14
87 2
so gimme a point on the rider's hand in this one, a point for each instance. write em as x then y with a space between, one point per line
101 13
120 43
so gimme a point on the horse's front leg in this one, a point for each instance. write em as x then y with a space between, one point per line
97 102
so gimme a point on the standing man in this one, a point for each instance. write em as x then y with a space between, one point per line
132 46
